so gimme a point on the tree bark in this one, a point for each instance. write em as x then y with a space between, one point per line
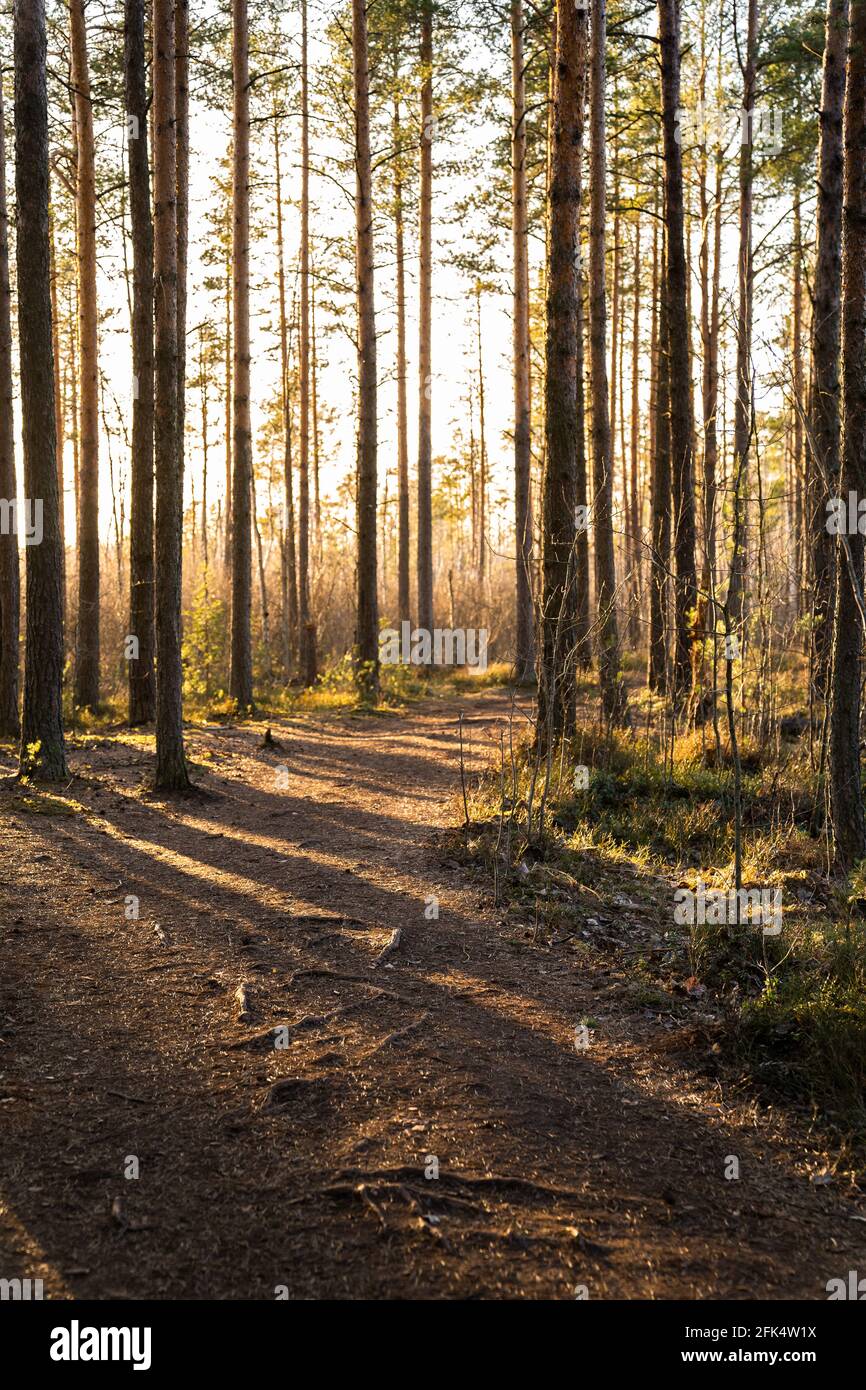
846 795
612 689
633 499
181 78
290 599
824 431
799 399
367 637
660 502
558 557
42 748
241 678
59 411
10 582
682 426
736 599
481 552
710 338
171 769
307 634
142 688
425 308
525 637
86 686
582 625
404 601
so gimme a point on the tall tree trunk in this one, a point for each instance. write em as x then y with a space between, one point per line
582 625
87 638
823 436
481 552
241 679
557 685
10 582
660 503
612 689
682 427
307 635
709 336
314 408
290 602
615 285
171 769
404 601
736 599
799 398
141 673
633 500
846 795
181 77
204 367
263 587
367 636
58 404
425 309
227 379
525 637
42 748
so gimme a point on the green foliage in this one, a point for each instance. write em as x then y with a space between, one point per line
806 1032
205 631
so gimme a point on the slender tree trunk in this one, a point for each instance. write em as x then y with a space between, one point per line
615 284
227 378
290 605
241 680
314 407
736 600
557 686
263 588
204 367
87 639
481 552
661 507
404 601
307 634
171 769
10 583
73 400
710 343
581 573
58 404
612 689
682 427
633 501
846 795
525 638
181 39
799 398
42 748
142 688
824 433
367 637
425 308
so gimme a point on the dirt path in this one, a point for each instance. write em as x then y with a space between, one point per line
302 1165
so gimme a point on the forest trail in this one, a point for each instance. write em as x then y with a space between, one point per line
304 1166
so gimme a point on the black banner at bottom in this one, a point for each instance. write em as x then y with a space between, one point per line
82 1339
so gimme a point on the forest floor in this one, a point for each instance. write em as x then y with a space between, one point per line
301 1166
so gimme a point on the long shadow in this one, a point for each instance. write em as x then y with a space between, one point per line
544 1105
500 1081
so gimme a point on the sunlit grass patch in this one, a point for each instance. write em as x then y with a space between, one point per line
610 808
32 801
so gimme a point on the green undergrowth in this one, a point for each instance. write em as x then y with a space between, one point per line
594 859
